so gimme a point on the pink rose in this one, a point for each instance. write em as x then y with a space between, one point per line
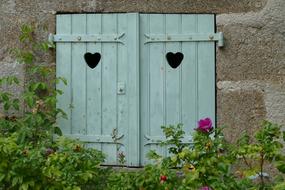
49 151
205 125
205 188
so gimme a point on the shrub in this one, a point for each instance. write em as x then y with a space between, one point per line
150 177
30 155
207 163
65 164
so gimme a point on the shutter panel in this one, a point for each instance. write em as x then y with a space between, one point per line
121 104
181 95
99 114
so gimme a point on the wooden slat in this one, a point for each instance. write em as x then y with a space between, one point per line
144 85
93 82
157 85
109 85
172 76
79 77
189 75
122 100
172 91
63 69
133 152
206 70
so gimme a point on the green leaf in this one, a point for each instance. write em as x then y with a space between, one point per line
16 107
59 92
7 106
5 96
25 186
16 80
26 57
30 101
42 86
35 86
223 167
26 33
15 104
21 137
44 46
15 181
62 79
153 155
57 131
280 166
61 113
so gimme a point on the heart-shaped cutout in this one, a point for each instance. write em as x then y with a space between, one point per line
92 60
174 60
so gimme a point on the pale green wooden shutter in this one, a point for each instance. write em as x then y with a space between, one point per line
172 96
133 48
95 109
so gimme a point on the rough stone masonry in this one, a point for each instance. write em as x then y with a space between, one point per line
250 68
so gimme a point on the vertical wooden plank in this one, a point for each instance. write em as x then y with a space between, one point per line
172 76
133 89
109 85
79 77
206 69
172 91
156 85
93 82
63 69
122 79
144 85
189 74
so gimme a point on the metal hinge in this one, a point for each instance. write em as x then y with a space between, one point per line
99 38
195 37
158 139
150 38
109 139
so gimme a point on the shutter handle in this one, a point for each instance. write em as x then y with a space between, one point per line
121 88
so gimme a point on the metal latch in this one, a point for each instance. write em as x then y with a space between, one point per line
121 90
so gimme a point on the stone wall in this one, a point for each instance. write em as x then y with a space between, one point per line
250 68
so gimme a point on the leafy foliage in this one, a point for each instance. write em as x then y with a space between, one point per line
34 155
209 162
62 164
30 156
267 148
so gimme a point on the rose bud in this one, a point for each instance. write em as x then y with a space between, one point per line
49 151
163 178
77 148
205 125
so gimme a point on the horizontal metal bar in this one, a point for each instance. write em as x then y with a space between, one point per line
159 139
195 37
99 38
96 138
114 38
